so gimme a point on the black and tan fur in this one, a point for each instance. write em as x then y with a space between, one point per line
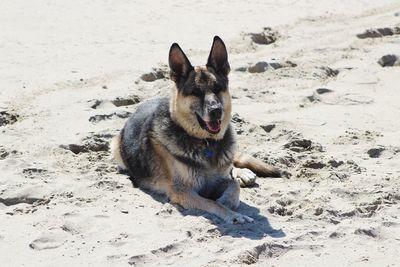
184 146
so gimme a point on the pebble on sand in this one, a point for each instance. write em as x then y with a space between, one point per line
389 61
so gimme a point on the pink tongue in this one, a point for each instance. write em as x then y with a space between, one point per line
214 126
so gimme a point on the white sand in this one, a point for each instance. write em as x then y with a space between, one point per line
58 208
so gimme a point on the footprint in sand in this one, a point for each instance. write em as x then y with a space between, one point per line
94 143
34 172
250 42
45 243
118 114
50 240
266 250
158 73
355 137
11 201
302 145
368 232
266 37
336 235
117 102
119 240
126 101
108 185
158 256
330 97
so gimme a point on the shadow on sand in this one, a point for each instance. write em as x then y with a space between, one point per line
255 231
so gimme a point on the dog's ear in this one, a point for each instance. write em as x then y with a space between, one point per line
178 63
218 58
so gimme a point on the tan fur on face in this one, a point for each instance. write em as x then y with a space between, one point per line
183 114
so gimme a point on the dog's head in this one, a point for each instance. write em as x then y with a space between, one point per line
200 101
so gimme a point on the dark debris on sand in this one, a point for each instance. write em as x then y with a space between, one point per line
266 37
379 32
155 74
7 118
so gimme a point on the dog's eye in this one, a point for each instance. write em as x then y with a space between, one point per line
217 89
197 92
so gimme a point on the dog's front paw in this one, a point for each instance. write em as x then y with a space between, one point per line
246 177
237 218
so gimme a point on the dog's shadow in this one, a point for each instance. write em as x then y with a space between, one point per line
257 230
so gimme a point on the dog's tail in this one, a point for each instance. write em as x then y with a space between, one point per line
257 166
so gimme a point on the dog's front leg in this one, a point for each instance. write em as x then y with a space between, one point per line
231 194
190 199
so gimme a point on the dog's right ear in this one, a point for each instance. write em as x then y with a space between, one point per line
178 63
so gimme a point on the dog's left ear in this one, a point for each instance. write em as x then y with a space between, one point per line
218 58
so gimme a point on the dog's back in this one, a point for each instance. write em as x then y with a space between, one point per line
131 148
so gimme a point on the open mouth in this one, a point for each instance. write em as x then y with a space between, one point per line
212 127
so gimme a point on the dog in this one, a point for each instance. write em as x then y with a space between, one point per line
184 146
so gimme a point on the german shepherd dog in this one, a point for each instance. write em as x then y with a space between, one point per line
184 146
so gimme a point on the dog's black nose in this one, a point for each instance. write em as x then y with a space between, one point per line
215 113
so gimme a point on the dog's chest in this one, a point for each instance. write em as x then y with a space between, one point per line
214 155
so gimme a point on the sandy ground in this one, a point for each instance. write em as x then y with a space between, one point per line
70 75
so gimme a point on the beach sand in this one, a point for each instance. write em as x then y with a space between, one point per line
318 105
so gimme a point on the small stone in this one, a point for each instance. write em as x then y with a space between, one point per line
375 152
378 33
323 91
389 61
314 165
334 235
318 211
259 67
268 128
335 163
236 118
94 103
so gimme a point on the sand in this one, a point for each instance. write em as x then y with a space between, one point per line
318 105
